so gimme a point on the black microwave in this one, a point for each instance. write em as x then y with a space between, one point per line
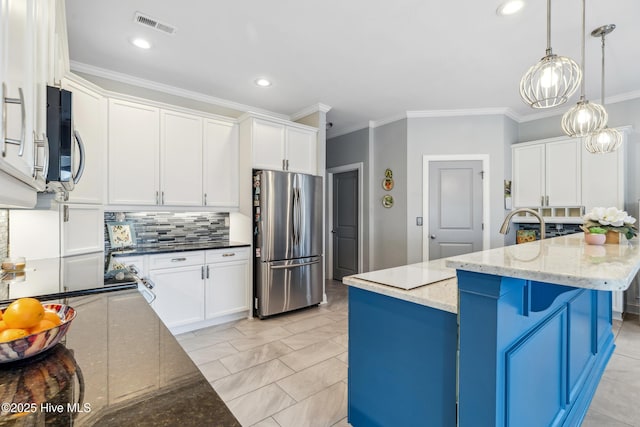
62 141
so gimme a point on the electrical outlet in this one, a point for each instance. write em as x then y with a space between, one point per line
419 221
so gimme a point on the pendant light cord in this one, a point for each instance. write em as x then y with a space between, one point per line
582 50
548 27
602 87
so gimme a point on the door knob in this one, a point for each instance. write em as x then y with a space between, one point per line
433 236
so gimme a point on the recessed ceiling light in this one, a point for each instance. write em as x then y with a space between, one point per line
510 7
141 43
262 82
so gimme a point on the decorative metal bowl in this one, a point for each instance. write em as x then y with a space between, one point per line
29 346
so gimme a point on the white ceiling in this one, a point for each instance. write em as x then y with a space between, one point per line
369 60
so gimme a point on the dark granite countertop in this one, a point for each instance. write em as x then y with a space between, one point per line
118 365
165 248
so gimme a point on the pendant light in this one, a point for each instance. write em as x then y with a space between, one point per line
584 118
553 80
607 140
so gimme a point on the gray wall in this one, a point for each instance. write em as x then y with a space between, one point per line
620 114
354 148
491 135
389 235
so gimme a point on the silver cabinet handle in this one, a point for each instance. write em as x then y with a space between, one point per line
283 166
229 254
23 126
157 197
202 272
65 213
547 200
178 259
541 200
162 197
207 271
287 164
78 174
205 199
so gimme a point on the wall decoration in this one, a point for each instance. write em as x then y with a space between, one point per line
388 173
507 194
387 201
387 183
121 234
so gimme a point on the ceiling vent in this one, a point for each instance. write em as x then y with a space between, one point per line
148 21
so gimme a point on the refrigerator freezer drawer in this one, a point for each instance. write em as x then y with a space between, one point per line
288 285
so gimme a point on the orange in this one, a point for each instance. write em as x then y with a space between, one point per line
43 325
12 334
52 316
3 325
23 313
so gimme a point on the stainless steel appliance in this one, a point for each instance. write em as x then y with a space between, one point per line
287 241
61 136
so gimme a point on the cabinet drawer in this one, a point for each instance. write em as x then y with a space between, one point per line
225 255
176 259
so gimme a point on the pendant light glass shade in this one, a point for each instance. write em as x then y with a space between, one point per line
585 117
553 80
606 140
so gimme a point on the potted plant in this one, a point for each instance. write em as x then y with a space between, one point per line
610 222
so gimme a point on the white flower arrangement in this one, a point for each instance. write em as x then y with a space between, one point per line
601 220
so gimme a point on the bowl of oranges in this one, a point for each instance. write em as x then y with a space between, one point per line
28 327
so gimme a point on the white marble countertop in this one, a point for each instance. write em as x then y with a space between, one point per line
434 284
565 260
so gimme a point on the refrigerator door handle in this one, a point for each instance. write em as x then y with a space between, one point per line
296 204
280 267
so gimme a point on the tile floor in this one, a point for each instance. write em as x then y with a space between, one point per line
291 370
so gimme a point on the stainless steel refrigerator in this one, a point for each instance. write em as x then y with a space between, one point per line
287 270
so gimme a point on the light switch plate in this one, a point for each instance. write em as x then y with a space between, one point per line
419 220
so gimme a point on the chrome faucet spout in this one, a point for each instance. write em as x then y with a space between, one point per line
504 229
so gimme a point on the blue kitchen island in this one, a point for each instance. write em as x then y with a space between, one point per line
513 336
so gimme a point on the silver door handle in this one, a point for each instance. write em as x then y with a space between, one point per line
334 231
433 236
78 174
280 267
23 125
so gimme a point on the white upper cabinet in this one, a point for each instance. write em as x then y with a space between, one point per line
279 145
18 50
547 174
268 145
90 121
133 153
563 173
220 163
181 159
603 179
301 150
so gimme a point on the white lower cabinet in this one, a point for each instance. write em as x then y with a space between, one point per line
194 290
226 289
179 295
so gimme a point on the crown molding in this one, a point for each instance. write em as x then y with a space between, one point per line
499 111
350 129
315 108
172 90
377 123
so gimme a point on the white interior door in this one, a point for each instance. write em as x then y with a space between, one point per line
455 207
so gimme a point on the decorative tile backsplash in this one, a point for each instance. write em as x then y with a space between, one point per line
4 233
171 228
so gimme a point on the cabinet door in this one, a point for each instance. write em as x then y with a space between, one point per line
528 175
181 169
603 179
77 271
226 288
134 149
90 121
301 150
563 173
268 141
16 76
221 164
81 229
179 295
132 372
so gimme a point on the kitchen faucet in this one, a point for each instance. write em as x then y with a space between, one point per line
504 229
